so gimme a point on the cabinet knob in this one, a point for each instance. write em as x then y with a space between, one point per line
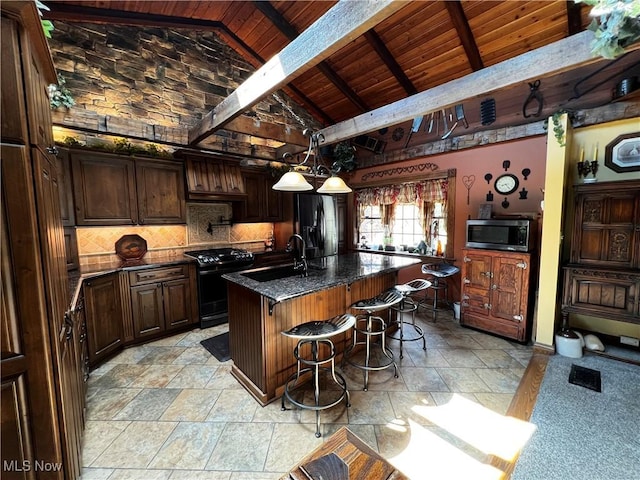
518 317
52 150
487 306
466 281
494 287
466 259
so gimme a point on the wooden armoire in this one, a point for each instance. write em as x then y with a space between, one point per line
42 386
602 279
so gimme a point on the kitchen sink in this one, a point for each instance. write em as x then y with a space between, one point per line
271 273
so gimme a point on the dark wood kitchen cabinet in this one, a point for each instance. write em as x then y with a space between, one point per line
212 179
603 277
103 313
496 295
162 299
160 189
111 189
104 189
39 374
262 204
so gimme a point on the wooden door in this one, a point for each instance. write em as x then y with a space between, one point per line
177 303
103 313
272 203
160 188
510 287
65 341
13 119
606 228
476 281
233 179
147 310
251 209
71 248
104 189
67 210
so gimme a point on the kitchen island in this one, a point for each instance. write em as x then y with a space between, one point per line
261 306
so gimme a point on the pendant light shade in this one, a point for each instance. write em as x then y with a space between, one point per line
292 182
334 184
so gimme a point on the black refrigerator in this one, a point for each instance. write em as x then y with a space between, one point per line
316 221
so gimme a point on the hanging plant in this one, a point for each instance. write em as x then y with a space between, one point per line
59 95
558 128
616 27
344 156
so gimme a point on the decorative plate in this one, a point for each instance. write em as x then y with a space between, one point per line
131 247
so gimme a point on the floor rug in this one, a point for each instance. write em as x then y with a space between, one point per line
218 346
580 433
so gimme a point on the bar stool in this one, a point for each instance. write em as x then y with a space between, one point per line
371 326
439 272
408 305
316 333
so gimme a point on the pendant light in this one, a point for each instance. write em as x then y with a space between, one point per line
294 181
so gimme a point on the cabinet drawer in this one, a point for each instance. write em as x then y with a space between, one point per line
139 277
513 330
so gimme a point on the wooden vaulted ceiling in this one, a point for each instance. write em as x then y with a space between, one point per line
422 45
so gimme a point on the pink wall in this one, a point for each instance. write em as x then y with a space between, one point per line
528 153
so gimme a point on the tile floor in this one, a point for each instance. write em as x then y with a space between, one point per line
170 410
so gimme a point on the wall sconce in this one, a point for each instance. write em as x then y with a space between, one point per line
293 181
587 167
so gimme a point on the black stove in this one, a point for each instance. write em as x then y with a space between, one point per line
212 288
219 257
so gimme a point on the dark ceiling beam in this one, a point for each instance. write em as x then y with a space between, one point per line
292 33
394 67
574 17
459 20
60 11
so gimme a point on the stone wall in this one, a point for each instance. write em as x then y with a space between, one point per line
164 77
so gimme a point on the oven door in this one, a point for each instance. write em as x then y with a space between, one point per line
212 295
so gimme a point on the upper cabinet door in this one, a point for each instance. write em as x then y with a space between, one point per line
14 121
213 179
67 210
160 192
104 188
607 226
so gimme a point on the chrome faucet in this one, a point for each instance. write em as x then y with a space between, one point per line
299 264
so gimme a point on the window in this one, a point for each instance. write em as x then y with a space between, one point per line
411 216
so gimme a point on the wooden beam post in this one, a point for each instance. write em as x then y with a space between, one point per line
343 23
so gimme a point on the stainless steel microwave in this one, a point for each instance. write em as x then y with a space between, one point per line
501 234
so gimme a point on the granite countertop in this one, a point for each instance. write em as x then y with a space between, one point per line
339 270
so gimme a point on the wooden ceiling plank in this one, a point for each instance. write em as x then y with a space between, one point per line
461 25
385 55
553 58
344 22
574 17
291 33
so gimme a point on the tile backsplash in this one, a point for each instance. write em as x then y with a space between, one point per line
205 228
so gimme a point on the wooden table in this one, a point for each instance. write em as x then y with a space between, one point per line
362 461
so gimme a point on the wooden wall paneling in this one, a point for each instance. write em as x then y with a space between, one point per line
246 338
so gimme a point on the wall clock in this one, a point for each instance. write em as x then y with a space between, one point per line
506 183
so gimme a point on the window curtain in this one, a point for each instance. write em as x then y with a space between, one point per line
430 193
424 194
